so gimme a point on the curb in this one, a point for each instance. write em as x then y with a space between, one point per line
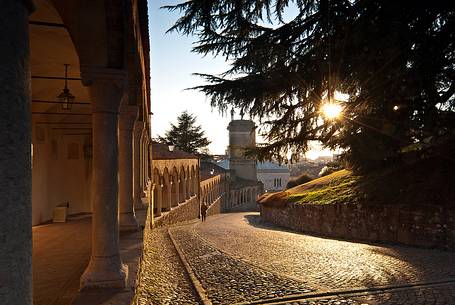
194 280
348 292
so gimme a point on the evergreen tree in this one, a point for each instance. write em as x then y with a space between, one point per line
395 60
186 136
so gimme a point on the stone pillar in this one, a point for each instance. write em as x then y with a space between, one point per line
159 198
189 182
137 185
144 166
105 268
127 219
185 194
146 158
166 195
15 156
196 184
175 191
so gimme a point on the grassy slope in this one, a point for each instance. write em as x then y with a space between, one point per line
425 182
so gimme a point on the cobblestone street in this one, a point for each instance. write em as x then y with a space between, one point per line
236 259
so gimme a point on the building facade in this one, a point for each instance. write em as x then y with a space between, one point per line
274 176
74 116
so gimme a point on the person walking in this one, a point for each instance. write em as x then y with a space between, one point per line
204 209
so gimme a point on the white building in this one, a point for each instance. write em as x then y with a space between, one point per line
272 175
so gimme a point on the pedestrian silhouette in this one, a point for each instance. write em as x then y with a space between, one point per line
204 209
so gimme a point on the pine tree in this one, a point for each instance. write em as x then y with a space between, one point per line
186 136
395 60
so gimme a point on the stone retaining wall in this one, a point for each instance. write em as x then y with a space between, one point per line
215 207
183 212
424 226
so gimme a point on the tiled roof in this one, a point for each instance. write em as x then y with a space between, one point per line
260 166
161 152
207 166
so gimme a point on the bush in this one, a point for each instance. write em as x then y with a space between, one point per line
303 178
330 168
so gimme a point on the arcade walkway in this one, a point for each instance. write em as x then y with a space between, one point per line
61 252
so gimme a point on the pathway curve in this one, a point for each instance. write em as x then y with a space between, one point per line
239 260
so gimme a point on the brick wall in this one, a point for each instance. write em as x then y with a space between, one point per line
425 226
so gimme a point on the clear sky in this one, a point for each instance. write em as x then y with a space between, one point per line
172 65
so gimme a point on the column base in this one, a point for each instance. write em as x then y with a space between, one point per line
104 272
127 222
138 205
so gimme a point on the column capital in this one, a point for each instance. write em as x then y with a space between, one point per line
128 116
92 74
105 86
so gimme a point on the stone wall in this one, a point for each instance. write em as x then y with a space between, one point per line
215 207
183 212
424 226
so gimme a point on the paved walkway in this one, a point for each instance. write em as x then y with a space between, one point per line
239 260
61 252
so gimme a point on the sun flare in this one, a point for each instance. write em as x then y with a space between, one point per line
331 111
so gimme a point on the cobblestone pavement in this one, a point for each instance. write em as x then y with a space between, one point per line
228 280
239 260
164 279
438 295
327 263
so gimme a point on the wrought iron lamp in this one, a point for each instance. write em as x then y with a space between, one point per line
65 98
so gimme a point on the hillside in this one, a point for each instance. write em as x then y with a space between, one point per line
428 182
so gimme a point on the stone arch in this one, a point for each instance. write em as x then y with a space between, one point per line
191 181
174 187
157 193
166 191
188 182
196 182
182 184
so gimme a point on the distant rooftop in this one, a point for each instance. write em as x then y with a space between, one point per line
266 166
207 167
161 152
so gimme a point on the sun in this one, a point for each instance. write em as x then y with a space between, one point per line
331 110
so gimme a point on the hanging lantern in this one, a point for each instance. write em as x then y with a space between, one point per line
65 98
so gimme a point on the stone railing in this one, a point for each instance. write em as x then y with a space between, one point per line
185 211
423 226
215 207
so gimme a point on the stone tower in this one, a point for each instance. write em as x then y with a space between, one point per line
242 134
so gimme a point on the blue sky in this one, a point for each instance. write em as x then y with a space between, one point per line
172 65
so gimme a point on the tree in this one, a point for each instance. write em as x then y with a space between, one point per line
394 59
186 135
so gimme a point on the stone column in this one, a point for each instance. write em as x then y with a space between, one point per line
175 191
159 198
166 195
188 187
127 219
184 191
105 87
144 166
137 185
15 159
146 158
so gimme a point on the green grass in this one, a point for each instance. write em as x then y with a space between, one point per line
426 182
336 188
